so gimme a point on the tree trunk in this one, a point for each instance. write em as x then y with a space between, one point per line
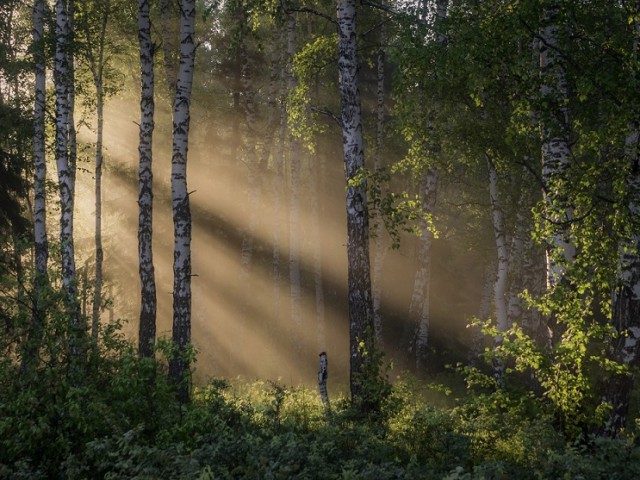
179 364
63 80
361 335
294 202
251 164
278 186
71 124
41 277
97 69
556 152
322 379
148 301
499 230
626 297
477 337
380 244
500 287
420 298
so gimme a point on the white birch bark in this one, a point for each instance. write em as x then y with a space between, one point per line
515 263
419 307
39 159
322 379
556 152
626 296
359 280
626 300
71 123
63 79
500 286
179 366
41 247
148 301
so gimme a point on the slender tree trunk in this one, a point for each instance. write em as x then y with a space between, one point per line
626 297
179 365
322 379
294 202
418 330
515 264
148 301
380 242
97 69
63 80
500 287
41 277
251 164
626 308
499 230
477 337
71 123
556 152
420 304
315 176
361 334
278 186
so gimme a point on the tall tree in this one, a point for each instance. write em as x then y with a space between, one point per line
148 301
361 334
95 54
556 150
41 248
295 170
179 363
63 79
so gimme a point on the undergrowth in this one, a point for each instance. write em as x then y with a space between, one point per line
120 420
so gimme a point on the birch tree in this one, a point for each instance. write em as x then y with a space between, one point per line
148 301
419 314
63 80
556 151
359 280
179 363
626 295
94 53
41 247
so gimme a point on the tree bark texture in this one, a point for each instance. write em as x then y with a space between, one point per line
41 247
626 300
63 80
420 304
556 151
359 281
179 365
322 379
148 300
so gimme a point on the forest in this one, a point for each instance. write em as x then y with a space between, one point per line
314 239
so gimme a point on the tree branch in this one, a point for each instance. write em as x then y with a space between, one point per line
329 113
312 11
